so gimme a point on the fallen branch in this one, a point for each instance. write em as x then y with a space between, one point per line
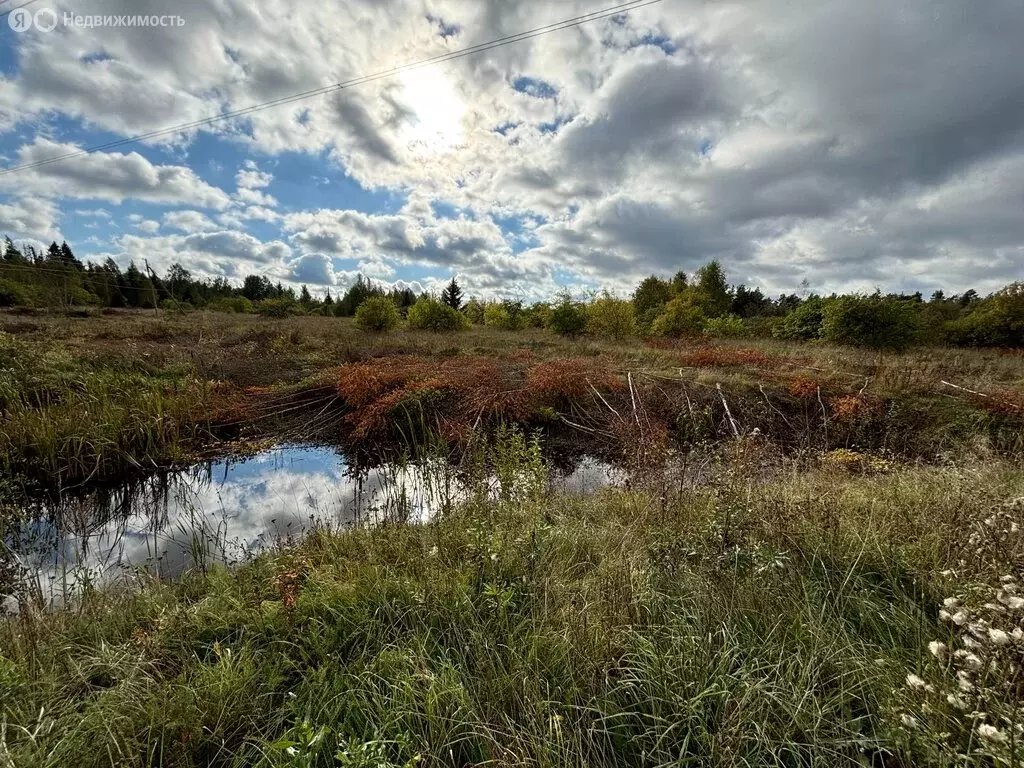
965 389
596 392
732 421
632 394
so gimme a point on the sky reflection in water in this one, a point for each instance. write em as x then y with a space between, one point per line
229 509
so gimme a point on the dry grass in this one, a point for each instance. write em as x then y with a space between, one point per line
457 395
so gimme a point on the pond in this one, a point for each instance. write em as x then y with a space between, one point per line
227 510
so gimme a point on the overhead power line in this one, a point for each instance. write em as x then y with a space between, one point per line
9 11
342 85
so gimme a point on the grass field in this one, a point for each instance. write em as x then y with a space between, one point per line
841 589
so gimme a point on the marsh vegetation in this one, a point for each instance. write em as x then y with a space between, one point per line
809 554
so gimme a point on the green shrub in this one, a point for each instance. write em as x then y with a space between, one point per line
539 315
681 317
728 326
505 316
474 311
650 298
278 308
803 323
761 327
611 317
14 294
237 304
431 315
998 321
875 321
568 318
378 313
173 305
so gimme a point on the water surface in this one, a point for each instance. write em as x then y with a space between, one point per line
227 510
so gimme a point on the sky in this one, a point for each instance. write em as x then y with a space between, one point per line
844 145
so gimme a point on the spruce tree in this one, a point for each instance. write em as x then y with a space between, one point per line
452 295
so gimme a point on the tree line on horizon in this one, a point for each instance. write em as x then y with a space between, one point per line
703 304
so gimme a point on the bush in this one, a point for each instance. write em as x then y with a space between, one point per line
278 308
998 321
173 305
432 315
474 311
875 321
803 323
650 297
568 318
506 316
378 313
14 294
539 315
729 326
681 317
611 318
238 304
761 327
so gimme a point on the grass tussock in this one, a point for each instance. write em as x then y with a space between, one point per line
64 420
741 623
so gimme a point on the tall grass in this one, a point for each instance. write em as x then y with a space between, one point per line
63 420
741 623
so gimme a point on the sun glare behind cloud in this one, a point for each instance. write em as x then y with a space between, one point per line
438 110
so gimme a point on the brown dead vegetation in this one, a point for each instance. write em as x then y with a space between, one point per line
458 394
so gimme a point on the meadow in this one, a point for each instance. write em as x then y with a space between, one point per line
817 559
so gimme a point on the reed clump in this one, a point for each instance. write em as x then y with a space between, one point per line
63 420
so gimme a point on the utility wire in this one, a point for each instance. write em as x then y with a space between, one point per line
440 58
16 8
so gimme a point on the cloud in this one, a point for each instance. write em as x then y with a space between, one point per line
188 221
250 177
109 176
849 143
312 269
30 217
230 254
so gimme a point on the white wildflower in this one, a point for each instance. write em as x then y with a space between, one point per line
963 681
944 615
998 636
970 642
915 682
972 662
991 733
957 701
1017 634
960 618
433 551
908 721
938 650
951 602
1013 602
